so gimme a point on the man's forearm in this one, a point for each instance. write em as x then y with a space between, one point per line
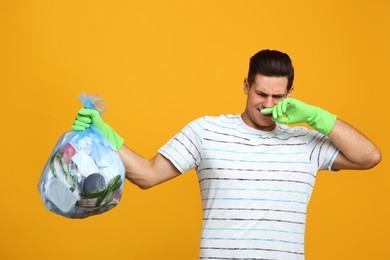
358 149
147 173
137 167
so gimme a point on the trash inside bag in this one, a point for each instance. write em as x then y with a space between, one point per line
84 174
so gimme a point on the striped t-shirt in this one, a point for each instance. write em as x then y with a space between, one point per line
255 185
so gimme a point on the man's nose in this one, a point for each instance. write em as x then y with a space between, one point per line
268 102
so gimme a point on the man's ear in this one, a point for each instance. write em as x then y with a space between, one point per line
290 91
246 86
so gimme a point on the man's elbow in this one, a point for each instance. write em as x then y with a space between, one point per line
145 185
374 159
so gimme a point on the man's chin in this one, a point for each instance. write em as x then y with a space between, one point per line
266 125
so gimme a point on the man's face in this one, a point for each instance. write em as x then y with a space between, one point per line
263 93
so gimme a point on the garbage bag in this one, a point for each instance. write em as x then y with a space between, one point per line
84 174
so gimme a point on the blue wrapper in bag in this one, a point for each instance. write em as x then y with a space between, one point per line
84 174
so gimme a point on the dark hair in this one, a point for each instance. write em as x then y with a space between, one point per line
271 63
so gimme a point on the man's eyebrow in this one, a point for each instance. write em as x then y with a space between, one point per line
274 95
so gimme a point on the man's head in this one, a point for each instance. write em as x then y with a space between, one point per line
271 63
270 80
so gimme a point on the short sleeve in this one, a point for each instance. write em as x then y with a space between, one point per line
322 151
184 149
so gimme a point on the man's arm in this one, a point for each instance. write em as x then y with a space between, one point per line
142 172
147 173
356 150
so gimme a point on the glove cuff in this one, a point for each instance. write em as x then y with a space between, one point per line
113 138
322 121
117 142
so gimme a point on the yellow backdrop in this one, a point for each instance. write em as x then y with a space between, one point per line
159 65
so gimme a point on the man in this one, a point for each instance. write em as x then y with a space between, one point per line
256 174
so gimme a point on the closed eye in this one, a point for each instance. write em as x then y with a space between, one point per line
277 96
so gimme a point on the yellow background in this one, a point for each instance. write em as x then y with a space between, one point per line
159 65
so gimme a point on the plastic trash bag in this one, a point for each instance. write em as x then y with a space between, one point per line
84 174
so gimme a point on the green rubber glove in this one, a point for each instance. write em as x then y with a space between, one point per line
87 116
296 111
